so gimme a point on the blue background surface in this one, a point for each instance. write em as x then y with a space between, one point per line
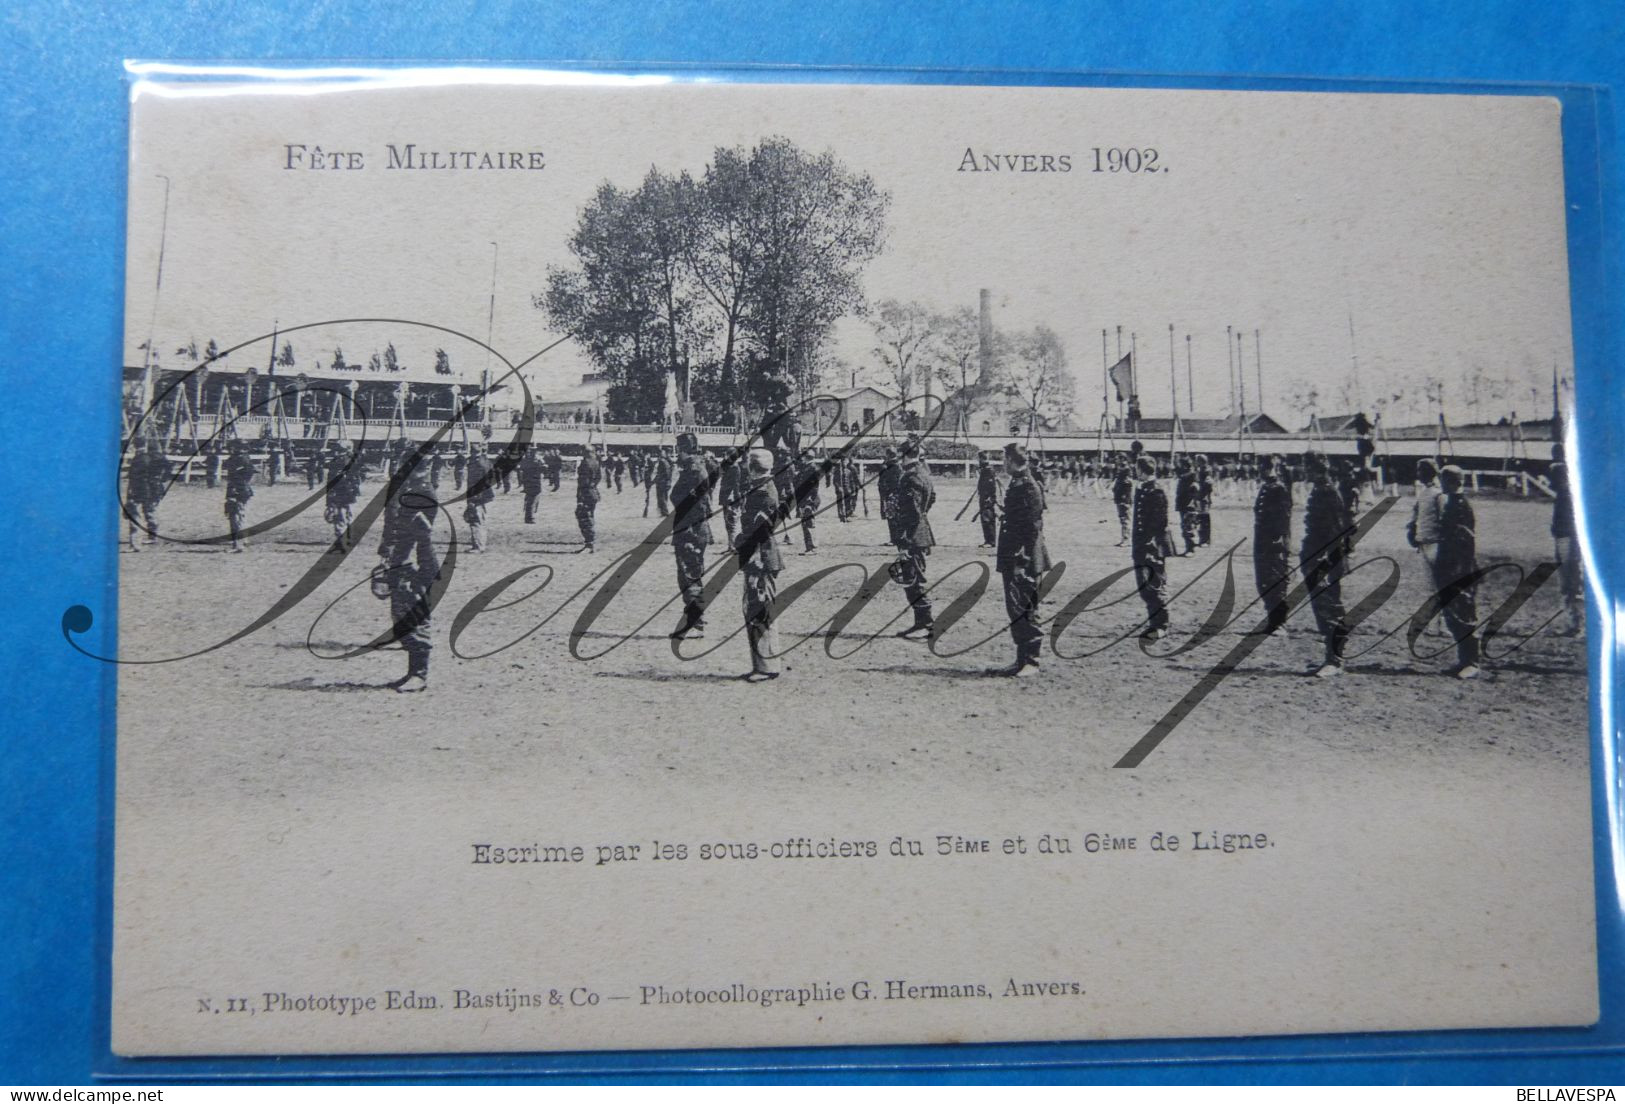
62 163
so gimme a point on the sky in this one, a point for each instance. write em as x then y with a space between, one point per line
1432 224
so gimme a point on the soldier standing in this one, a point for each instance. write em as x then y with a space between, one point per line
760 564
1424 527
987 498
730 493
1327 531
1122 497
240 471
662 482
1272 541
886 487
1149 532
459 469
620 471
1454 568
147 483
808 474
1022 559
313 469
1568 554
587 473
530 481
482 480
911 508
412 565
691 533
1204 503
343 491
1185 495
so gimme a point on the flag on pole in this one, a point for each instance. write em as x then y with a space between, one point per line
1122 377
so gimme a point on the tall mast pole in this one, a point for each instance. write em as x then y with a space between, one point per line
157 290
1258 360
490 330
1173 394
1230 365
1190 390
1241 378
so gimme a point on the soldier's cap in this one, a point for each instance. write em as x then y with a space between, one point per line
760 461
1453 472
1147 466
1316 460
890 453
911 448
688 442
1015 454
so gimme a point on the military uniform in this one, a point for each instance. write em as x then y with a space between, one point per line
891 473
1204 504
730 494
987 503
1327 529
413 566
911 507
343 491
662 481
1563 538
1022 560
240 471
1452 574
481 493
147 480
1185 503
808 475
691 532
1272 546
530 482
760 564
587 474
1123 498
1149 533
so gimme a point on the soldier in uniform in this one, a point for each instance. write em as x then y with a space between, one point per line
555 468
1022 560
587 475
240 471
530 481
343 491
662 481
1204 503
408 556
1149 531
459 469
987 498
313 468
1568 552
760 564
808 475
1454 568
620 472
1122 497
1327 532
891 473
147 482
911 508
854 485
1272 541
691 532
730 492
1185 503
482 480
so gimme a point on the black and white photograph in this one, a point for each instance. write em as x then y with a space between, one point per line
619 563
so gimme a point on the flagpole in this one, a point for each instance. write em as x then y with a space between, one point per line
1190 390
1105 379
158 287
1173 395
1258 360
1230 368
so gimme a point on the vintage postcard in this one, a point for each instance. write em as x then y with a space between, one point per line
639 564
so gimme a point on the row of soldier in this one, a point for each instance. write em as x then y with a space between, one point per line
1011 516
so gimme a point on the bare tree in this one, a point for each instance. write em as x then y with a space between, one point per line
902 332
1037 381
956 360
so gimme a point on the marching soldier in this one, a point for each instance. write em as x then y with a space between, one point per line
411 563
1022 560
760 564
1568 553
808 474
730 492
555 468
531 472
1122 497
1272 541
482 481
691 533
587 474
1327 531
240 471
343 491
911 508
1149 532
987 499
1454 568
147 483
1185 496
